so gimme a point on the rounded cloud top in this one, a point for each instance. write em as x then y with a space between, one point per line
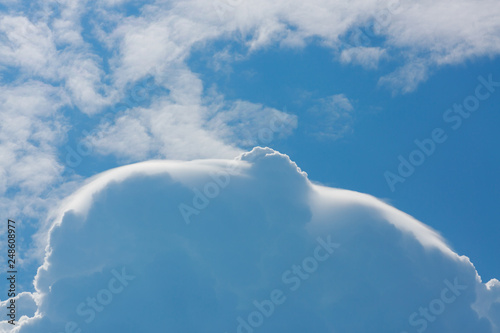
248 245
260 155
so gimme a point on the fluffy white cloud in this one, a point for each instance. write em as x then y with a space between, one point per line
30 131
57 45
84 56
178 131
54 43
37 50
451 31
176 128
265 249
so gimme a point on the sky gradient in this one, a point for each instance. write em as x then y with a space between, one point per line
349 92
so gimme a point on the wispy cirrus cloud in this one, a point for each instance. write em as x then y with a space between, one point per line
331 117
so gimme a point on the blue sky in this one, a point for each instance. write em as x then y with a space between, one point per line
343 90
454 191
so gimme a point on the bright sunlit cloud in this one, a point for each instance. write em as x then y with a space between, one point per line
247 245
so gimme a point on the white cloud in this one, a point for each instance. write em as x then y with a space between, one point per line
406 78
88 54
172 130
332 117
249 124
160 38
452 31
31 129
488 303
368 57
26 45
38 50
26 307
343 261
417 32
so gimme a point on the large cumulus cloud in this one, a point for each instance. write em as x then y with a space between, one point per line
248 245
61 60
